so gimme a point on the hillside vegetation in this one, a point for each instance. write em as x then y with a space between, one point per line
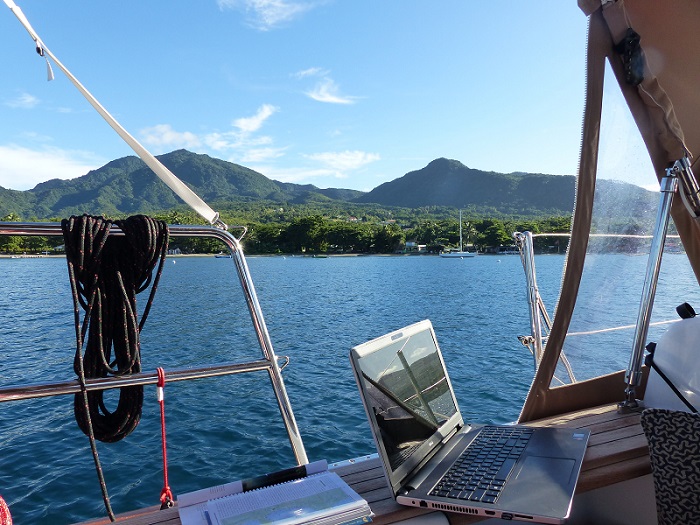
420 206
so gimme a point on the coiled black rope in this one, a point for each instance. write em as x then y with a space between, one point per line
106 272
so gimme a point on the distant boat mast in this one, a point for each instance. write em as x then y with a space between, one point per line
460 231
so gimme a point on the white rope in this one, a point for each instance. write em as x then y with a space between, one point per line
175 184
617 328
612 235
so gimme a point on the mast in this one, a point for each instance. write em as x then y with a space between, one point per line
460 231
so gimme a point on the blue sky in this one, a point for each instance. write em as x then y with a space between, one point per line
335 93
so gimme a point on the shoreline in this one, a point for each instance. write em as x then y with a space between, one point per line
286 255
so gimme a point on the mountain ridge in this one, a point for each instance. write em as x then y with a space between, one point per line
127 186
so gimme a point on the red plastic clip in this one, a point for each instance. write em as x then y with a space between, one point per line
166 499
160 393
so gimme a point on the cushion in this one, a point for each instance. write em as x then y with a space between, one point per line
674 448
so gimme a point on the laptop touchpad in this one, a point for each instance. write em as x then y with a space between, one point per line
540 469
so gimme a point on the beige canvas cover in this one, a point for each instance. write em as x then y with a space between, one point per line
666 109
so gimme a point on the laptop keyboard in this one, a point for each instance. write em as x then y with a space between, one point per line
480 473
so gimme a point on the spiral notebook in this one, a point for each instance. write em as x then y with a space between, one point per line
309 494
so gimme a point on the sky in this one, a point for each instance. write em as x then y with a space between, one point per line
334 93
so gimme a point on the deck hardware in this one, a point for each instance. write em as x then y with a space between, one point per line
632 57
524 243
668 187
285 361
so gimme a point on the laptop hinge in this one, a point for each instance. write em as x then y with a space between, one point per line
456 429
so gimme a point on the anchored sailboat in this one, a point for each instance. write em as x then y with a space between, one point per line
461 254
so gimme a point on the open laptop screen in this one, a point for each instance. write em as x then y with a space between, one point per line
406 390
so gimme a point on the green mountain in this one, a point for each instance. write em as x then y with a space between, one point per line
446 182
127 186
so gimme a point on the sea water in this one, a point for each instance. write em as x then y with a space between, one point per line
228 428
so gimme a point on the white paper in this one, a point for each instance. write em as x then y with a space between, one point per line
293 502
203 495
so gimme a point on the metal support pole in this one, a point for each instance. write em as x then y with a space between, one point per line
669 186
540 321
524 241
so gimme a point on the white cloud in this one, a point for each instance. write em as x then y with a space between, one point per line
261 154
254 123
344 160
328 91
333 165
267 14
220 141
232 140
325 90
291 174
23 168
164 136
23 101
242 138
311 72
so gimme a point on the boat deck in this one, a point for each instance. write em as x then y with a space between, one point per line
617 451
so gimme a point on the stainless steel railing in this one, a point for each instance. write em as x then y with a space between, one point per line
268 362
540 322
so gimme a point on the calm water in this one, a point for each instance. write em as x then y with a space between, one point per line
224 429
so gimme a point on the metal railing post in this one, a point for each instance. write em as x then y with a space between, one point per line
524 242
539 318
669 186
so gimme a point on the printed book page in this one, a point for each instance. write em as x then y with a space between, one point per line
322 498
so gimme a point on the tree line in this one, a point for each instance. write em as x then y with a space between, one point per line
321 234
316 234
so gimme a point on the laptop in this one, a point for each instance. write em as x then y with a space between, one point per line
432 459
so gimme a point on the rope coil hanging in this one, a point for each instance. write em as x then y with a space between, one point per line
106 272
